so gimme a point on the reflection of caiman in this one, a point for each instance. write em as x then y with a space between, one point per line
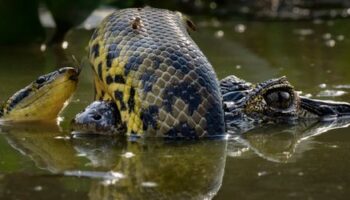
283 142
154 81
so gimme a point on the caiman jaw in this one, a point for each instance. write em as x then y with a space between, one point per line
314 108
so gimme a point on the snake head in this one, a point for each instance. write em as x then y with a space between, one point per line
43 98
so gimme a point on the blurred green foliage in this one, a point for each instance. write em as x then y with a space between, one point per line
188 6
19 22
68 14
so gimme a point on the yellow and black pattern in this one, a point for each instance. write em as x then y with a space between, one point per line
43 98
163 85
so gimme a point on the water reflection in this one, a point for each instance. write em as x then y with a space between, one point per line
179 170
39 142
104 167
120 169
285 142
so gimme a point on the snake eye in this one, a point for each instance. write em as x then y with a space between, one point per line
279 99
40 80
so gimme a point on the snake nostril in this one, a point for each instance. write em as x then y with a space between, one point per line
96 117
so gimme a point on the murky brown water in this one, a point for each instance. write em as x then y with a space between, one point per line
303 161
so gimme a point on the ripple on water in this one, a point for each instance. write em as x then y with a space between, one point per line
330 43
240 28
331 93
346 86
303 32
110 175
38 188
149 184
128 155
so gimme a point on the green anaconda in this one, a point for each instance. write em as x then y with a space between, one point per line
42 99
151 79
145 61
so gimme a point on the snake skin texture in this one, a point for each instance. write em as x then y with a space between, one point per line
145 61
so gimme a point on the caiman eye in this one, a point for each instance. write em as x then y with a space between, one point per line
279 99
40 80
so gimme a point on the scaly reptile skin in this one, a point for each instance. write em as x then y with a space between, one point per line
163 85
43 98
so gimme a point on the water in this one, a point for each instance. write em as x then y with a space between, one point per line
296 161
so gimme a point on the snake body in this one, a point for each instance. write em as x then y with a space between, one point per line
145 61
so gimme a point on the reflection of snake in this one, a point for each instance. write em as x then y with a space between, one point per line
154 169
145 61
118 169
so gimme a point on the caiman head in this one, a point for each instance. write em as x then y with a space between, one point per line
275 100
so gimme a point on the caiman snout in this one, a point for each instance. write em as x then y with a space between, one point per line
310 108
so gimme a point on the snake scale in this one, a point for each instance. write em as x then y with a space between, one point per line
145 61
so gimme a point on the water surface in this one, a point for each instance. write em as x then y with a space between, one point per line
296 161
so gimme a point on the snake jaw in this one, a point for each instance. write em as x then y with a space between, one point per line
43 99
